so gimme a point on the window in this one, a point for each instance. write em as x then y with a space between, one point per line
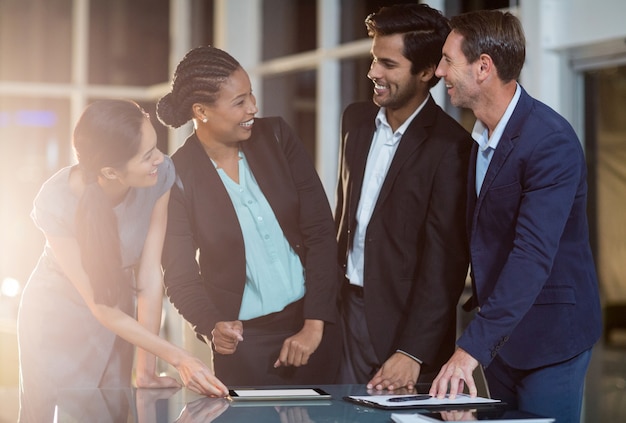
128 42
35 40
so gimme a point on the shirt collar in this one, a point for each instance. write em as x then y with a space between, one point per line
480 132
381 119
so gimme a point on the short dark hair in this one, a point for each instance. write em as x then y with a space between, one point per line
423 28
197 79
495 33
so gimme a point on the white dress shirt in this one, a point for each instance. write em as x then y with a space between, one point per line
383 148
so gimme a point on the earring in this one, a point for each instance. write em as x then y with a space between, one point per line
205 120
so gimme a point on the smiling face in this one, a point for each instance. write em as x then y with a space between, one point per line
141 169
394 86
458 74
231 117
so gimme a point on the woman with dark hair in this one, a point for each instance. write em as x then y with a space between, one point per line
104 221
263 291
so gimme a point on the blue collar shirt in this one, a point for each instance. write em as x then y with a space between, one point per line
486 144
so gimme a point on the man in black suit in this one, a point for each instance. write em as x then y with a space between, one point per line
401 209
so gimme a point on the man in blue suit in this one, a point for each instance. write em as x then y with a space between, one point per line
533 275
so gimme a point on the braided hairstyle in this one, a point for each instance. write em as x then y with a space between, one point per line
108 134
197 79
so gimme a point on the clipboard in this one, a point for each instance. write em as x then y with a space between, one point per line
391 402
288 394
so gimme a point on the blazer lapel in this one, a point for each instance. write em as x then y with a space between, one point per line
358 150
471 188
268 163
413 137
505 146
212 199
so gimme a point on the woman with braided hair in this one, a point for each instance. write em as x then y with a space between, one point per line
104 221
263 289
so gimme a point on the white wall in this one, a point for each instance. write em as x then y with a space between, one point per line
584 21
560 33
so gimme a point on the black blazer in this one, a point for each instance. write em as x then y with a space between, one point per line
201 218
416 255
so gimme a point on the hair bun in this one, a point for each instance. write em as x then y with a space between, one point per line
166 112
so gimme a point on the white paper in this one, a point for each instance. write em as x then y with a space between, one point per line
461 399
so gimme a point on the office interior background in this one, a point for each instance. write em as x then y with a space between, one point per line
307 59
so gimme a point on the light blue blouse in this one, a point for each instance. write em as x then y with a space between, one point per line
274 273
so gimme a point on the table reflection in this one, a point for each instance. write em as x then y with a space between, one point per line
202 410
183 406
93 405
458 415
136 406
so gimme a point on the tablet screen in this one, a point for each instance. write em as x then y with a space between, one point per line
278 394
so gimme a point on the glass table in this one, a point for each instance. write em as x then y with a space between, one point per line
183 406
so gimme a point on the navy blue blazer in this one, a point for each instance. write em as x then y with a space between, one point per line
533 273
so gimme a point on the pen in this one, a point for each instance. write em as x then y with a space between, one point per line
410 398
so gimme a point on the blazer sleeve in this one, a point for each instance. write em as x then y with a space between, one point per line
182 277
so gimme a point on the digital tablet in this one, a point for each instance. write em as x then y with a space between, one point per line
494 415
252 394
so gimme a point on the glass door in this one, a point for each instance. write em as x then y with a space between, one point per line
605 114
